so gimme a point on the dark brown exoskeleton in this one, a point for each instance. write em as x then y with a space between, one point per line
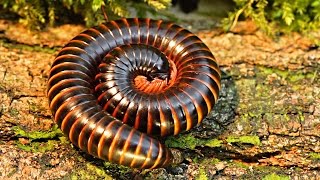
114 85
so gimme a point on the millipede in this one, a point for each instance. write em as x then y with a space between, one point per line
116 88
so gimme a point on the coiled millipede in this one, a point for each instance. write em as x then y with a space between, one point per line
115 85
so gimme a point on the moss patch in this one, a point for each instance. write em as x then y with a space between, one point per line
291 76
254 140
35 48
121 168
54 132
252 91
189 142
239 164
314 155
13 112
90 172
212 143
182 141
274 176
206 161
37 146
202 174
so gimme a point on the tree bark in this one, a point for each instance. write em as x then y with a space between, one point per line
266 124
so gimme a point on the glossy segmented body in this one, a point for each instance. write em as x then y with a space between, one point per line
115 85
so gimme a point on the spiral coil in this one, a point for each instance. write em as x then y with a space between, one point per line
115 85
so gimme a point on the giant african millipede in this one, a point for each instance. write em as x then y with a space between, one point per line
117 84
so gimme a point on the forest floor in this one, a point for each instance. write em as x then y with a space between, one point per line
266 124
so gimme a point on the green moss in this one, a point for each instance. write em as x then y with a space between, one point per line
183 142
34 107
206 161
267 71
268 169
274 176
291 76
54 132
33 48
301 117
13 112
90 172
37 146
296 77
202 174
253 90
214 161
254 140
189 142
213 143
121 169
314 155
286 117
99 171
64 140
240 165
14 171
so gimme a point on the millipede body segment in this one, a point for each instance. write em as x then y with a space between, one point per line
115 85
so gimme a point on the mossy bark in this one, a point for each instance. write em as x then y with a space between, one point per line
266 124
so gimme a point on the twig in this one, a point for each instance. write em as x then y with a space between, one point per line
239 12
104 13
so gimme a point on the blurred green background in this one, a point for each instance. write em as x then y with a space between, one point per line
272 16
